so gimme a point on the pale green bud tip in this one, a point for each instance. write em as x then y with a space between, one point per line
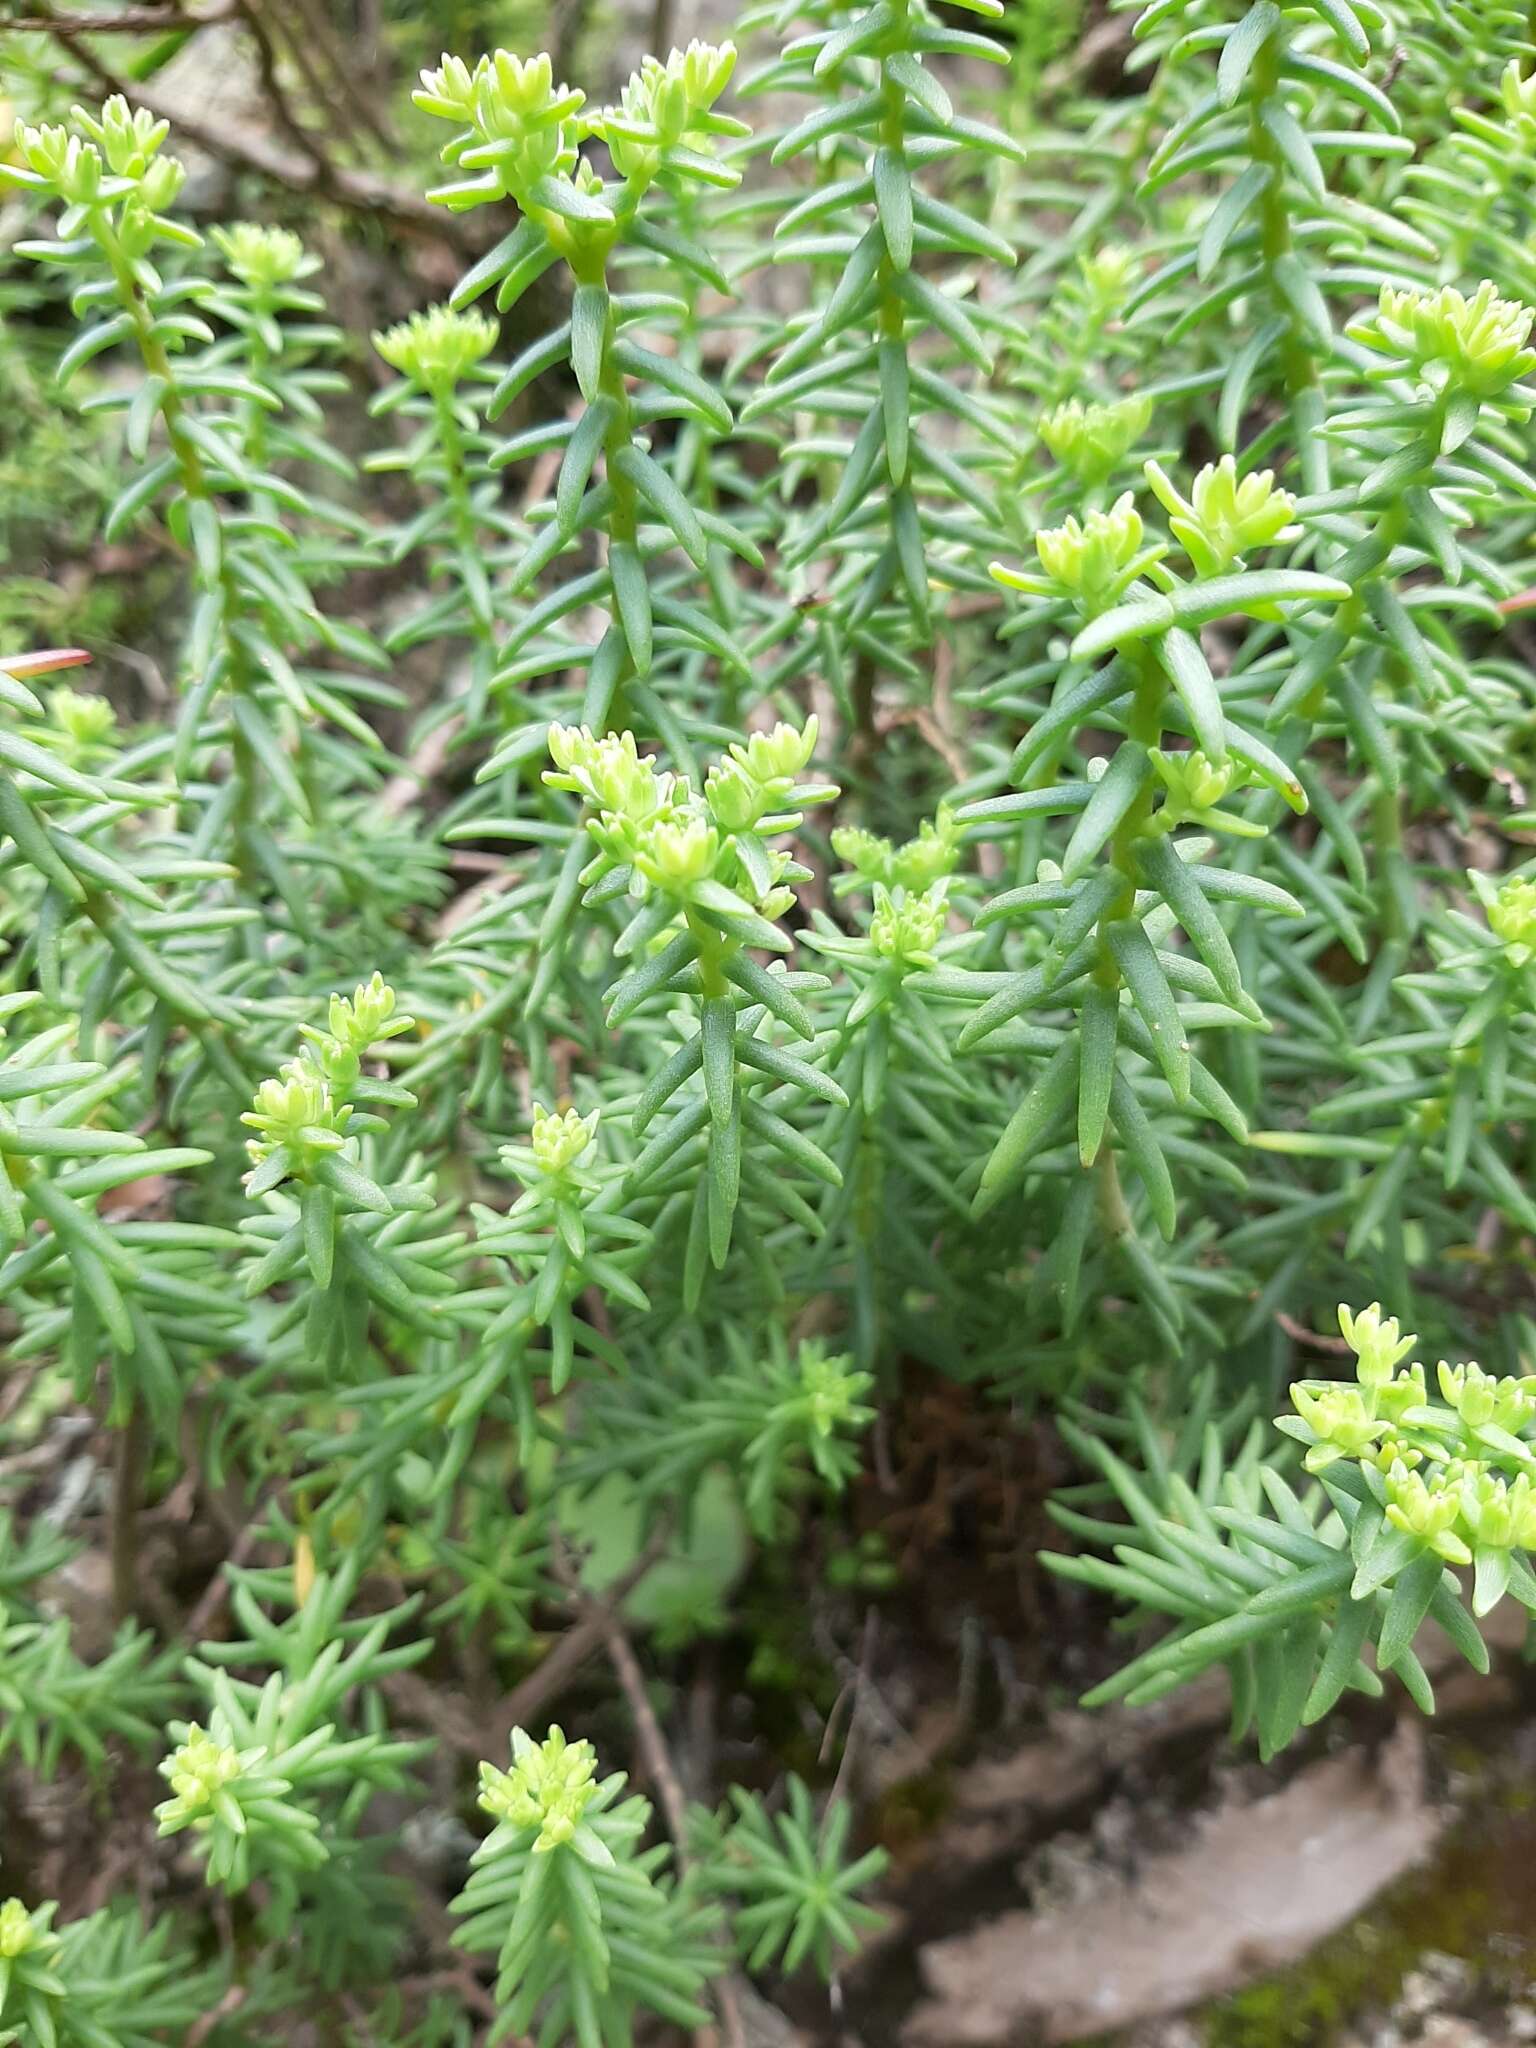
866 852
1341 1419
1428 1511
1376 1341
120 140
907 928
1091 440
678 851
1518 94
368 1015
199 1768
84 721
609 772
1499 1516
1482 1398
294 1108
549 1787
1196 784
831 1389
1108 271
1087 556
1475 345
777 756
915 865
21 1930
263 257
560 1137
1225 516
438 347
665 106
1512 913
518 120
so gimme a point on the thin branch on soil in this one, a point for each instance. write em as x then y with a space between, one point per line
526 1701
626 1668
213 1596
856 1714
127 1486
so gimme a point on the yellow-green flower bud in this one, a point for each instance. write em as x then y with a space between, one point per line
830 1390
560 1137
261 257
1107 274
128 137
1093 440
1087 559
907 928
1499 1516
1342 1420
1481 1398
21 1931
1512 917
1427 1512
437 348
735 797
1195 787
609 772
198 1770
1225 516
677 852
295 1108
1377 1342
549 1787
780 755
1474 346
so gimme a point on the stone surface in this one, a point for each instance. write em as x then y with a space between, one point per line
1257 1884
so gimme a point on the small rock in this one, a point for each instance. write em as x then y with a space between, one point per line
1435 1983
763 2025
1448 2030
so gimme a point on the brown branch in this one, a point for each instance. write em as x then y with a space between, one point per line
129 21
127 1486
211 1600
626 1668
277 98
1316 1340
315 36
659 1767
525 1702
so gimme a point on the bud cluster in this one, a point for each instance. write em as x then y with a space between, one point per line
1225 516
304 1111
1093 440
438 348
109 174
548 1789
1454 1475
697 847
668 108
1093 561
916 864
1455 345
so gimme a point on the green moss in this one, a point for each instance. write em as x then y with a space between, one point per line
1471 1901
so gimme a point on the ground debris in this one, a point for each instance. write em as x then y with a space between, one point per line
1256 1885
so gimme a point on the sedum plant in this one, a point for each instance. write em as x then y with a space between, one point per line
905 766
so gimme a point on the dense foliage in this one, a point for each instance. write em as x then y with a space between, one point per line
969 636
